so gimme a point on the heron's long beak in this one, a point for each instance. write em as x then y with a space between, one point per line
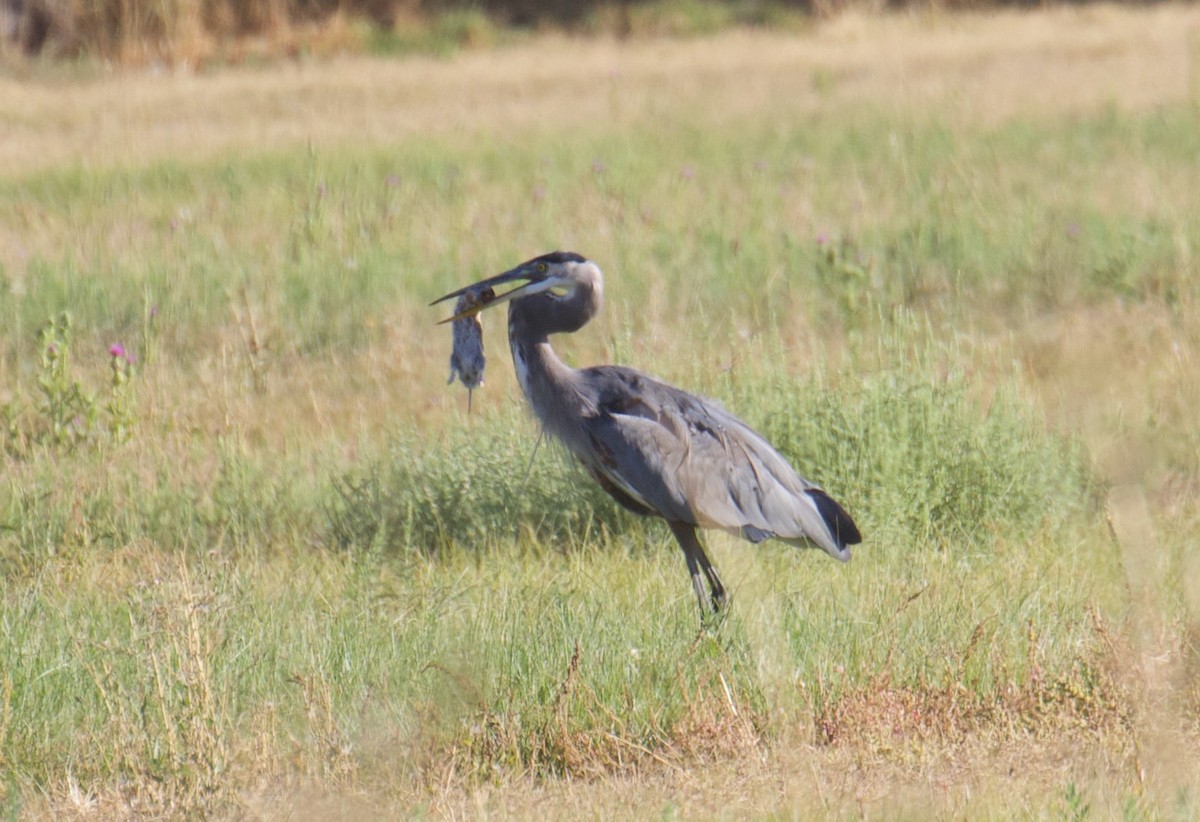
535 281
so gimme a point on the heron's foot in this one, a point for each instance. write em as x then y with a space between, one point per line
714 617
719 599
710 627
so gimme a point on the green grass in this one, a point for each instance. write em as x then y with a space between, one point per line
436 595
301 565
829 217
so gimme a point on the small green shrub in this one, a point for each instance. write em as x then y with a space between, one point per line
923 460
472 488
916 457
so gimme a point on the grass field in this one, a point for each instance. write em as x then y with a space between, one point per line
258 560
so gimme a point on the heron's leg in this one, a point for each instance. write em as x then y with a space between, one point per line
697 584
714 581
697 560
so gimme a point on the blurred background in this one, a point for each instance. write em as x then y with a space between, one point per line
191 32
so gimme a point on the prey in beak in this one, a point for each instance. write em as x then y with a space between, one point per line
467 360
534 274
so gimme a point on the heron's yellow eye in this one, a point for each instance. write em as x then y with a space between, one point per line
541 267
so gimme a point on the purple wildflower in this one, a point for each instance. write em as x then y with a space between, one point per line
116 350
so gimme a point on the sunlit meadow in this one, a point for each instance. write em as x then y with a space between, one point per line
257 555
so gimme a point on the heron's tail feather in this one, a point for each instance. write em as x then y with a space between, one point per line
844 531
819 522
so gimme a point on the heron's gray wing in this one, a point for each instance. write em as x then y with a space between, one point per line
691 461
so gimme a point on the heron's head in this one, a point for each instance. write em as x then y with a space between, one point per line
556 277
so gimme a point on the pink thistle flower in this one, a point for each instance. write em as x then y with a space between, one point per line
116 350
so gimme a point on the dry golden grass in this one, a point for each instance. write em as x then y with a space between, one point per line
987 67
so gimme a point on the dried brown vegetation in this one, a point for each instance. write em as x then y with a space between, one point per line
193 33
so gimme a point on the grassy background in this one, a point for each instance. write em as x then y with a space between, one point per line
273 563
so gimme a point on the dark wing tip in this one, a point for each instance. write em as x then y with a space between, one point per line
840 525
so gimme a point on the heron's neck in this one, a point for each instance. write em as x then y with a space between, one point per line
540 372
549 384
552 387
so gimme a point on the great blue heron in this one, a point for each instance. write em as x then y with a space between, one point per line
658 450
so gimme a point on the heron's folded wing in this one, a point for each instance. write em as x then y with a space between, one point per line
692 461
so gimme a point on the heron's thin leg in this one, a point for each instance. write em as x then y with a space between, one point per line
693 552
697 584
714 581
532 454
